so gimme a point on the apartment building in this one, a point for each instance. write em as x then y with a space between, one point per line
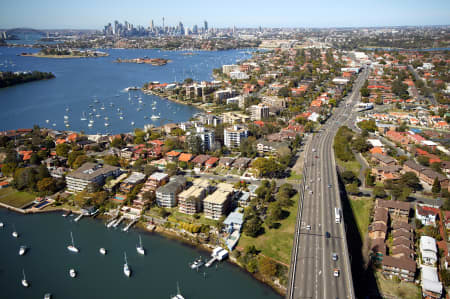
403 268
190 200
218 203
233 136
166 196
259 112
89 175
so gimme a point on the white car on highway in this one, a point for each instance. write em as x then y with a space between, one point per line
336 272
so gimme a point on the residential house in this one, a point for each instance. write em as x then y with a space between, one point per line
428 250
226 162
427 215
383 160
431 286
131 181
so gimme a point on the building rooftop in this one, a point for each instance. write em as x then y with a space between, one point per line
158 176
89 171
134 178
194 191
219 197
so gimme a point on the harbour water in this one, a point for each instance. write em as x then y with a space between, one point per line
155 275
99 82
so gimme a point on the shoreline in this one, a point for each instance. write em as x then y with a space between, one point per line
58 56
166 233
150 92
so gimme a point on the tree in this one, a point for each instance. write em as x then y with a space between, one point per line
360 144
118 142
436 188
149 169
411 180
46 186
369 125
378 192
252 227
352 188
274 211
370 179
284 92
349 177
195 144
112 160
268 167
80 160
62 150
246 147
266 266
171 169
425 161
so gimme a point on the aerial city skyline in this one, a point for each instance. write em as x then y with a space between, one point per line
86 14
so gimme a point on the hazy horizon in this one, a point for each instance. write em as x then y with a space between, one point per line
93 15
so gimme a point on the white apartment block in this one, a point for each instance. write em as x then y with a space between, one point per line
233 136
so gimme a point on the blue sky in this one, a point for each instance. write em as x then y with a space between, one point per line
94 14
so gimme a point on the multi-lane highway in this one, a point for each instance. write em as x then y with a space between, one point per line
318 236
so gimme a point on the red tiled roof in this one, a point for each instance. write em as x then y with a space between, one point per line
185 157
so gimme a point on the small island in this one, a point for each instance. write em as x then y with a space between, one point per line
13 78
145 60
66 53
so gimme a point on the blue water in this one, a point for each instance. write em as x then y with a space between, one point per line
81 80
155 275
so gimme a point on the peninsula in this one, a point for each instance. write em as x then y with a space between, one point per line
66 53
13 78
145 60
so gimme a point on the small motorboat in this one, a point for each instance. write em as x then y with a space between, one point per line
72 273
22 250
24 280
102 251
48 296
197 264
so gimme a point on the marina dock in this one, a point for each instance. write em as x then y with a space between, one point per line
126 228
116 224
210 262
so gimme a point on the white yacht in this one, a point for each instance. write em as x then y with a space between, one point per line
106 124
67 125
90 125
24 280
83 117
132 123
66 117
140 249
1 224
106 118
15 234
72 246
47 121
155 116
126 268
22 250
72 273
121 117
102 251
54 125
48 296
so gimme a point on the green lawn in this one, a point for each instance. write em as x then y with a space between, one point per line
4 191
16 198
294 176
276 243
362 208
398 290
353 166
